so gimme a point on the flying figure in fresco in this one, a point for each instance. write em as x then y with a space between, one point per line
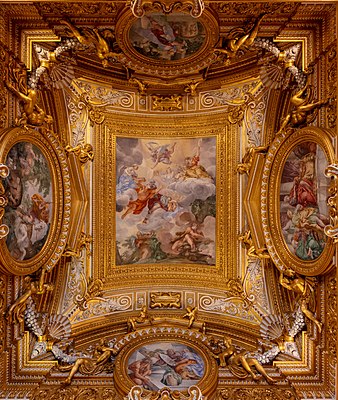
160 201
161 153
144 193
193 168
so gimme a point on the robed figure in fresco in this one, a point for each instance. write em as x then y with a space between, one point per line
302 212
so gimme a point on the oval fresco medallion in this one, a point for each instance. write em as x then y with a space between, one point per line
30 200
303 194
294 193
165 364
167 37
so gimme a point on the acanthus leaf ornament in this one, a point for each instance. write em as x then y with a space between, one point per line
84 152
331 230
245 166
4 172
191 87
257 393
331 323
137 393
138 7
332 86
93 291
95 115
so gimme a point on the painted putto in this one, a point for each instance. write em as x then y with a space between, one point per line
165 200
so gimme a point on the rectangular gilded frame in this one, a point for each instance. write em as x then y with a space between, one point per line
185 133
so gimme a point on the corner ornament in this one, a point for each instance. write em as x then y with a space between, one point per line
331 230
196 7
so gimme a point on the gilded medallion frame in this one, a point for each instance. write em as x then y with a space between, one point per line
171 68
166 334
281 148
56 239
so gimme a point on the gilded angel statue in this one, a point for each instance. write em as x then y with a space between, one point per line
16 312
304 290
32 114
191 314
144 317
90 365
238 38
240 363
304 107
96 39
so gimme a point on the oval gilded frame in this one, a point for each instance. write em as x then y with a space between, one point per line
171 68
51 251
276 158
207 384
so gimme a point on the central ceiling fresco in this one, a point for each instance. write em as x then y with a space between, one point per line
167 217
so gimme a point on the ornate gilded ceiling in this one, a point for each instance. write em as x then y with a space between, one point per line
168 212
